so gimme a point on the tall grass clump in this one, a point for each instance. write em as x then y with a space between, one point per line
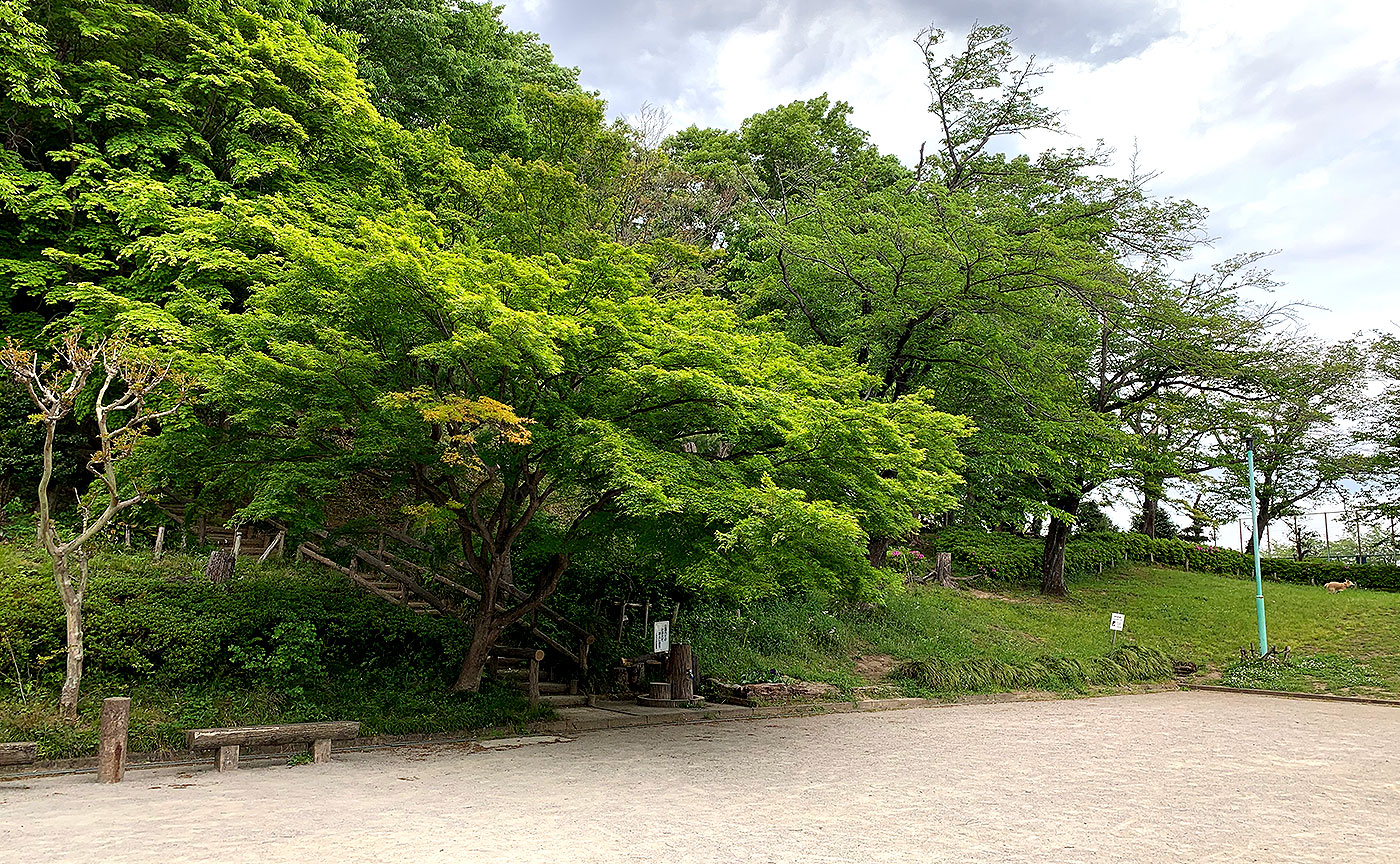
1127 665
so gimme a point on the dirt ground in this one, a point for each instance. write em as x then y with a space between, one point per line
1188 777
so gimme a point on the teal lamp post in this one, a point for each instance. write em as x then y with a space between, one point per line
1254 531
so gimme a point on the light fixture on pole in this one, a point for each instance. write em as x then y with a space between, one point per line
1254 530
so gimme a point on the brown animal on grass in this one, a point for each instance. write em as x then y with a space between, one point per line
1334 587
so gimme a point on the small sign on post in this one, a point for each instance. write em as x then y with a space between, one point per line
661 637
1115 624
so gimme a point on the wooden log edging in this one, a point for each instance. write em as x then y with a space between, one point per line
171 758
18 752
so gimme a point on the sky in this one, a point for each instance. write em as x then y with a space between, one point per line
1282 118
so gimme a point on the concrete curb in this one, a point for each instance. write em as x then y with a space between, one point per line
811 709
1325 697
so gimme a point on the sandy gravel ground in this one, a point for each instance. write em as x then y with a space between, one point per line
1172 777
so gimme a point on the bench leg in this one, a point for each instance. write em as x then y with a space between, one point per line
321 751
228 758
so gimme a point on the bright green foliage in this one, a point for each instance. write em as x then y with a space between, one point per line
1301 452
1380 432
428 63
664 407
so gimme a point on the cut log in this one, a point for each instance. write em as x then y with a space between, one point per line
289 733
18 752
111 739
220 567
660 690
680 669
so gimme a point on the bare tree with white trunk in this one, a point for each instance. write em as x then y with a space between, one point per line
133 392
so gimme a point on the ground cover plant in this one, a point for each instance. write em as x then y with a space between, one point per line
279 644
1011 638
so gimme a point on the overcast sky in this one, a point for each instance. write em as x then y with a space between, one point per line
1283 118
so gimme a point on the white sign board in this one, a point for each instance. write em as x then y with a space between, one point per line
661 637
1116 622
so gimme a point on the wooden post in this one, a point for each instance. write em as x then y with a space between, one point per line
275 544
675 616
228 758
237 541
126 536
201 529
534 682
646 617
680 672
622 616
111 739
321 750
160 541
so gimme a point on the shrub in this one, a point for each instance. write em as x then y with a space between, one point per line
1004 557
275 627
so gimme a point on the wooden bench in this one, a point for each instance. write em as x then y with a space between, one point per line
18 752
227 741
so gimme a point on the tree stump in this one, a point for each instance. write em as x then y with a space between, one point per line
681 672
220 567
943 568
111 740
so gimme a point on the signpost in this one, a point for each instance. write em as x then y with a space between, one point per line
1115 624
661 637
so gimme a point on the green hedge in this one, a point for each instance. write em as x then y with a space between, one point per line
1011 558
163 624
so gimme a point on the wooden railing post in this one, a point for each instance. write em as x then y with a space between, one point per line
534 682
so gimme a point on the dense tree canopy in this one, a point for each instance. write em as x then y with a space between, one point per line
418 273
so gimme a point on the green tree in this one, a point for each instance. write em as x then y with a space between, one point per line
429 64
151 143
133 394
510 397
1297 417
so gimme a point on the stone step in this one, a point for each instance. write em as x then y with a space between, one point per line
565 700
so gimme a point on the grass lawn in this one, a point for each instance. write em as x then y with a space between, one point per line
1345 643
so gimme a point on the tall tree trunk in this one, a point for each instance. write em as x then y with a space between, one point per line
490 623
1149 515
73 618
484 637
1052 567
878 551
